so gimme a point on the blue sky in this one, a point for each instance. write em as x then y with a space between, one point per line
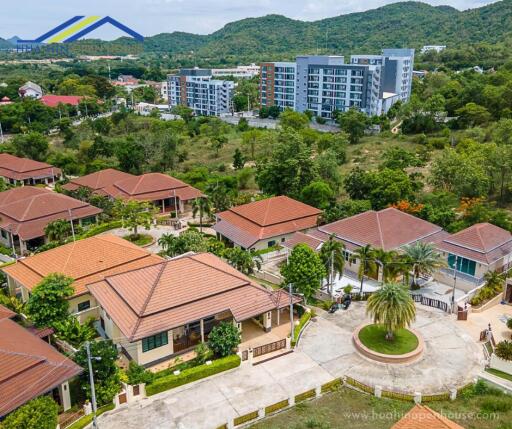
31 18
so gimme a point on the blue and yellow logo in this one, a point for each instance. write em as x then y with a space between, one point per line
78 27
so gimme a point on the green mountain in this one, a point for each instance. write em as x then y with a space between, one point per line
4 44
406 24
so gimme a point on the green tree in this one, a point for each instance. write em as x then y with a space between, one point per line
39 413
473 114
33 145
367 265
304 270
252 138
317 194
190 240
332 254
224 339
243 260
185 112
203 207
58 230
238 160
75 333
393 307
106 372
48 304
137 374
354 122
134 214
290 168
292 119
425 259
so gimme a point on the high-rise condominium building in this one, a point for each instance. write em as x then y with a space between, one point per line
323 84
195 88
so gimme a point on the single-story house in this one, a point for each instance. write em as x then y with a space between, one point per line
30 89
24 171
387 229
164 191
472 252
86 261
30 367
265 223
26 211
157 312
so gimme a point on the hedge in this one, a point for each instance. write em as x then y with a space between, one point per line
303 320
192 374
98 229
85 420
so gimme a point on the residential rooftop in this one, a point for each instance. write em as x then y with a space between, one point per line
25 211
15 168
98 180
423 417
86 261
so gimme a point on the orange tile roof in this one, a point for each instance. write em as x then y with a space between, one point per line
17 168
98 180
422 417
25 211
6 313
314 243
249 223
51 100
161 297
86 261
386 229
29 366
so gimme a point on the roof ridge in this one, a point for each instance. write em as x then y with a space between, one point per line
150 294
377 215
217 268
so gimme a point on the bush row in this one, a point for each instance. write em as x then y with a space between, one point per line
303 320
192 374
85 420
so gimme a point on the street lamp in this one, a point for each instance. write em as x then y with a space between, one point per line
91 381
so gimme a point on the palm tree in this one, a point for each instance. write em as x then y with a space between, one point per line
425 259
393 307
388 261
203 206
367 265
495 280
244 261
169 243
58 230
333 257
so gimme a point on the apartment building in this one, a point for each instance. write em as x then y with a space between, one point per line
241 72
196 88
324 84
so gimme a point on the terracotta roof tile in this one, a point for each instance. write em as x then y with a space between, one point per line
27 210
312 242
249 223
422 417
17 168
86 261
51 100
98 180
29 366
6 313
149 300
386 229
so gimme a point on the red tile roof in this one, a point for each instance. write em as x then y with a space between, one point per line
86 261
29 367
314 243
482 242
152 187
25 211
422 417
154 299
6 313
55 100
386 229
247 224
98 180
17 168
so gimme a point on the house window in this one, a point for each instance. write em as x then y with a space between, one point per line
464 265
271 243
155 341
84 305
4 234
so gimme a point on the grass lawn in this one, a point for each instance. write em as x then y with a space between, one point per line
139 239
349 409
499 373
374 337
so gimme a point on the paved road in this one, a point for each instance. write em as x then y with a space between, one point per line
451 358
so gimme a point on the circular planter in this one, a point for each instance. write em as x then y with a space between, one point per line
385 358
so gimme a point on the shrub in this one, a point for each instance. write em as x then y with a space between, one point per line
224 339
98 229
192 374
203 353
504 350
509 323
86 420
39 413
493 405
303 320
138 374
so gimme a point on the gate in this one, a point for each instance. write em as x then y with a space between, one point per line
462 313
269 348
122 398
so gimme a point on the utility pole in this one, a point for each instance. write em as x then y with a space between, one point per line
331 270
292 327
91 381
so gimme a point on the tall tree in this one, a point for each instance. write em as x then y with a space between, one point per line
367 266
333 257
425 259
354 122
203 207
58 230
33 145
393 307
304 270
244 261
134 214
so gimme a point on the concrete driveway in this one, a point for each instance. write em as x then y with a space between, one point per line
451 357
